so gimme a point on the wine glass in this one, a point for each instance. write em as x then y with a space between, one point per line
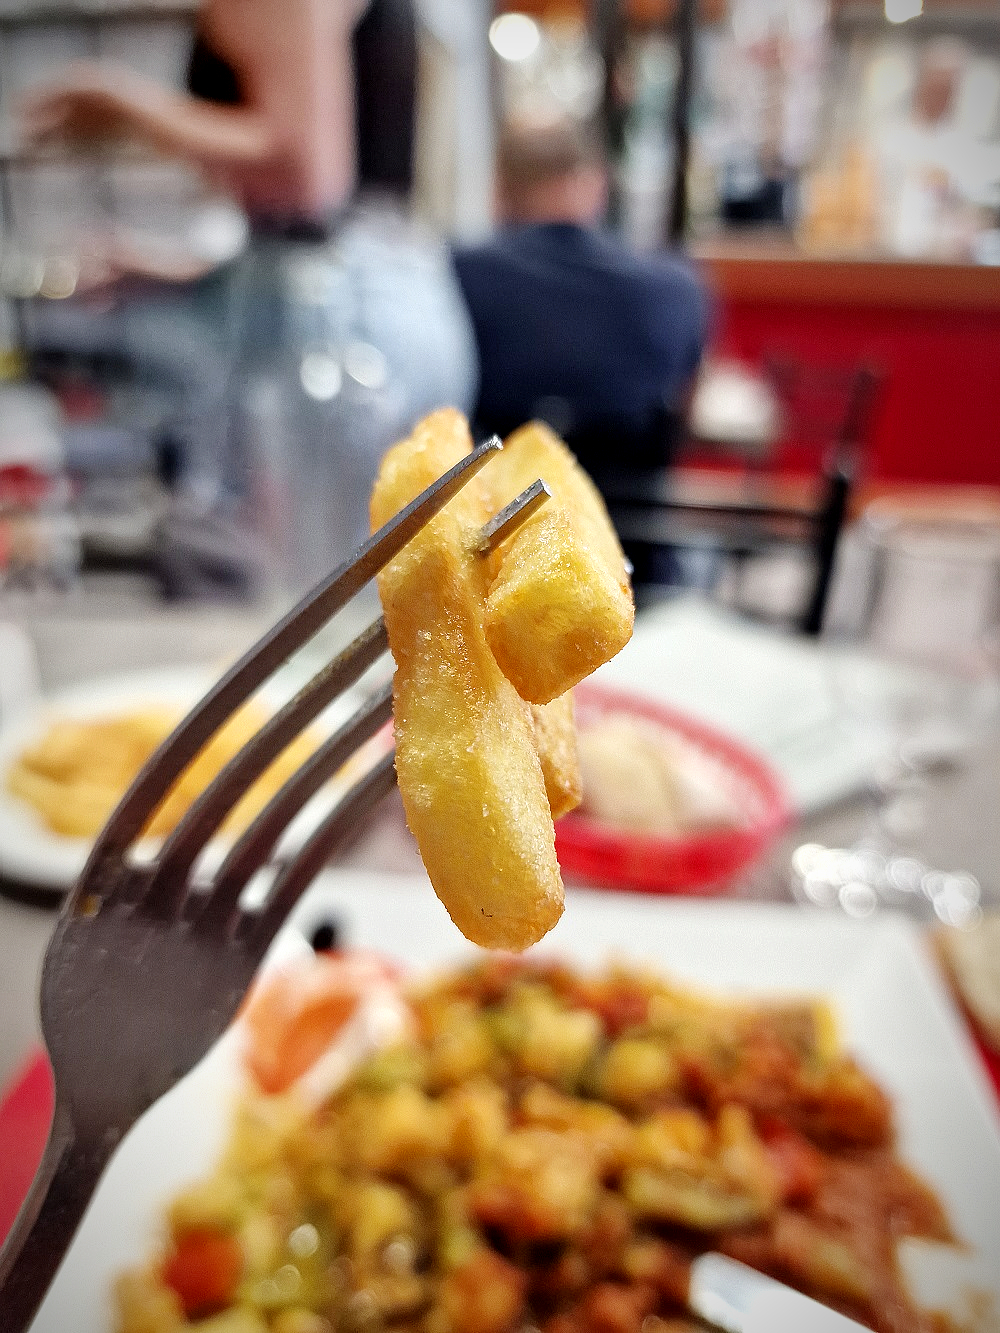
912 666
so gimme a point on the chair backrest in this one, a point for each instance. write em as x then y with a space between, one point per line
829 409
609 448
656 514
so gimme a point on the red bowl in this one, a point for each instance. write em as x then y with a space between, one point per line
704 863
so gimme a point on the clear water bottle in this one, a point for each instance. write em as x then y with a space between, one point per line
316 416
39 535
350 341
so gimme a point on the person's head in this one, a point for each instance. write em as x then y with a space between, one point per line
942 63
551 171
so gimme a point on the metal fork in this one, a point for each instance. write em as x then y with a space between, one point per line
143 972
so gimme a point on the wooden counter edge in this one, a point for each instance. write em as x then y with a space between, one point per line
793 279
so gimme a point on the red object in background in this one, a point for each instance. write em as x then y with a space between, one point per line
293 1013
25 1116
702 864
938 418
991 1059
23 486
204 1270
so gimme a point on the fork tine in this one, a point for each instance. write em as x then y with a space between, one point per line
257 842
260 928
264 658
505 523
168 884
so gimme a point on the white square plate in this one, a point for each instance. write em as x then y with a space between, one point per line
894 1013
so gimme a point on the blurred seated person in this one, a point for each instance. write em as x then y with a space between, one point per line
303 111
572 325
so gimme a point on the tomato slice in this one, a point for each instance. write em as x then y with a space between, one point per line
204 1270
294 1013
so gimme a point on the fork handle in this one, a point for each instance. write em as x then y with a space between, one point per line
48 1220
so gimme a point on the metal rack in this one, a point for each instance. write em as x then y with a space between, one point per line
90 19
20 15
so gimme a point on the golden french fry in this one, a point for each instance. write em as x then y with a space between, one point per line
561 604
555 741
469 774
77 772
72 809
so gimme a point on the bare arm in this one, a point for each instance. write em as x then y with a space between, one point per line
289 147
104 101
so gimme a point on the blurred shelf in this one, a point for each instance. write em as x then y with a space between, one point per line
877 7
776 275
924 500
938 16
21 15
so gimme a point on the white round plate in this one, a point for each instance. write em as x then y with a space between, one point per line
31 855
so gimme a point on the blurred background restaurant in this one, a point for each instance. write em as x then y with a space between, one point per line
201 367
743 254
833 169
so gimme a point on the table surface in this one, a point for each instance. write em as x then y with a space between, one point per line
960 831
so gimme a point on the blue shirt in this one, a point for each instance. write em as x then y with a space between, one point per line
571 316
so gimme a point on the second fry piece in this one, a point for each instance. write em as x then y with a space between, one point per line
561 604
469 774
555 740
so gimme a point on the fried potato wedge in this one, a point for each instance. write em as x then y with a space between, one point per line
555 741
561 603
469 773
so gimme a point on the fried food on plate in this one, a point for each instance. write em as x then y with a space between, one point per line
469 773
225 745
79 770
561 604
534 1147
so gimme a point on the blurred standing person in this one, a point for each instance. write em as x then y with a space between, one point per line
572 325
930 171
303 110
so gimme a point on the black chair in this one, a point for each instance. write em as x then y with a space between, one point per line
658 516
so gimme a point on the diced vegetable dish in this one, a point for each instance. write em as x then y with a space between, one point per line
548 1150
